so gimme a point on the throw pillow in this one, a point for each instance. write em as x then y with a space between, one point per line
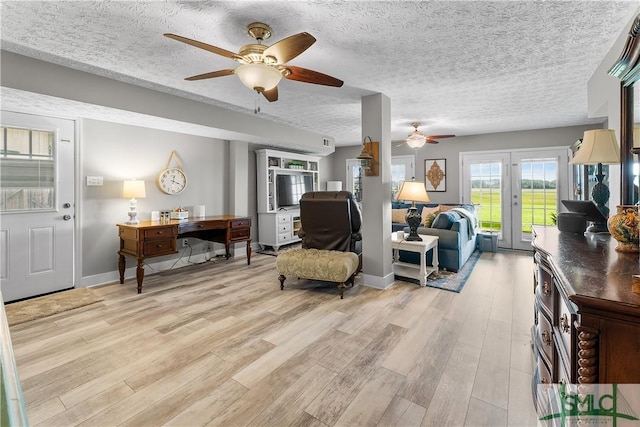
445 220
428 221
426 211
445 208
397 215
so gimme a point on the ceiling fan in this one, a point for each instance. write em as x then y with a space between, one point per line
417 139
263 66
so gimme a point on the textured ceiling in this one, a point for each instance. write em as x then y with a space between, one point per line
461 67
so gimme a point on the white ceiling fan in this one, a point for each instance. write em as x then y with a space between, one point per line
417 139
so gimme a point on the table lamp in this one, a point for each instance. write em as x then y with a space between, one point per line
413 191
133 190
599 147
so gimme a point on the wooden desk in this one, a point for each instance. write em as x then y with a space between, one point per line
157 238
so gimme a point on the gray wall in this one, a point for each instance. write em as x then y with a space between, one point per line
118 152
450 150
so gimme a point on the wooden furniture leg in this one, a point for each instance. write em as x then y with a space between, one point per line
282 279
140 274
121 266
249 252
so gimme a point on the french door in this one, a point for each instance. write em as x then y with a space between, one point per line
37 206
514 190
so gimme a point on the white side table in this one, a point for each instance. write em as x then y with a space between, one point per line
405 269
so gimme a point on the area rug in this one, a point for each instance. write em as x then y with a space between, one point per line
270 251
449 280
36 308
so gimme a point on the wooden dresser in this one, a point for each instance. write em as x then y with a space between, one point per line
587 319
155 238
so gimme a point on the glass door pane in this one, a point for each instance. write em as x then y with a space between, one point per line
27 170
486 193
539 201
402 169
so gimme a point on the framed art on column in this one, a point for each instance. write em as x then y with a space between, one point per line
435 175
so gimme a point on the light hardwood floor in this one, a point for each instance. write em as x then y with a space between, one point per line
220 344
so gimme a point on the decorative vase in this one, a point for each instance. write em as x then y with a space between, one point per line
623 226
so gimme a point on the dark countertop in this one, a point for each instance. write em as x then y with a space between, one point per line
591 271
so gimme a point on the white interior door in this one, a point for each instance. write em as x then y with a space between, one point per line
36 205
354 178
402 169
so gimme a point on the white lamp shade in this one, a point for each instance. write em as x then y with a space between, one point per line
133 189
260 76
598 146
413 191
415 142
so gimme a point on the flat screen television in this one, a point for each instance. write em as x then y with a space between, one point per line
290 188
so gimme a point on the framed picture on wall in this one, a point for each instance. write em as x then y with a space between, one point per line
435 175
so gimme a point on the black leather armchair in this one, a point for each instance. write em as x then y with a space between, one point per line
331 220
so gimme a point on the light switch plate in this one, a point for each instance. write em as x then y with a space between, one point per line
94 180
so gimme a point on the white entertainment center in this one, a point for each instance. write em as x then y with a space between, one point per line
278 213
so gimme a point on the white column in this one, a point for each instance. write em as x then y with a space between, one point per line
238 184
238 177
376 196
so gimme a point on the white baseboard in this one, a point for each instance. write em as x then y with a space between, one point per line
151 268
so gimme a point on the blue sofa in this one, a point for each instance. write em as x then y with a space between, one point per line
455 241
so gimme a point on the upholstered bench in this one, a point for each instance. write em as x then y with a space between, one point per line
318 264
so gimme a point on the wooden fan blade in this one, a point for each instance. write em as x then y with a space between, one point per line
219 73
432 141
439 136
309 76
205 46
287 49
271 94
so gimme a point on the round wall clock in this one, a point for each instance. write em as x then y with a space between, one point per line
172 180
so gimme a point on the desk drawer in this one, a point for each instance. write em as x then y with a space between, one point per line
160 247
241 234
160 232
200 226
240 223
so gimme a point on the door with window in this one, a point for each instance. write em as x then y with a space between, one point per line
36 205
515 190
402 169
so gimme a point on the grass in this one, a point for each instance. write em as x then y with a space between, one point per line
536 205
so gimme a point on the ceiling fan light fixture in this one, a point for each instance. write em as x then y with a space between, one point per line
258 77
416 141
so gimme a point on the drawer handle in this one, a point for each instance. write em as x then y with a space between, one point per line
564 323
160 232
159 246
546 338
200 225
546 289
